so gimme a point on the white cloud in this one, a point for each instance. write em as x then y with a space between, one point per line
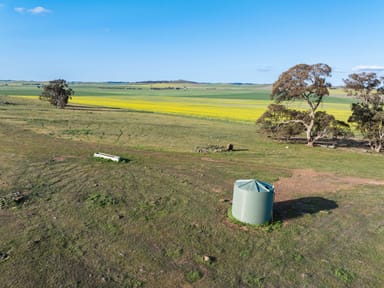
20 10
368 68
39 10
34 11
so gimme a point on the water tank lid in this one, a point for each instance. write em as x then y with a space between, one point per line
252 185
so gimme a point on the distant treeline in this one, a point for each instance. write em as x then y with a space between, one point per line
166 88
167 82
121 88
141 88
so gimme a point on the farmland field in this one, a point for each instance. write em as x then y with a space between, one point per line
219 101
160 219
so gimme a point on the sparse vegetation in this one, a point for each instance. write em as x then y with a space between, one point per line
152 221
77 132
252 280
344 275
101 200
193 276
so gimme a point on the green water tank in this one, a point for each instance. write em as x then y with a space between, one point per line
253 201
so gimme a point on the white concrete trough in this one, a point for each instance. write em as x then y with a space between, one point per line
107 156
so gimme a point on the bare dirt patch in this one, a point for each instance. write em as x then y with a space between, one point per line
62 158
309 182
212 160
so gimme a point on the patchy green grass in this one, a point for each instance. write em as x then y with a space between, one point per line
344 275
252 280
101 200
77 132
193 276
150 222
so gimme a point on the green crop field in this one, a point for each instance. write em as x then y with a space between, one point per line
160 219
219 101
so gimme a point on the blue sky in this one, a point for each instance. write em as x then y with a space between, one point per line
200 40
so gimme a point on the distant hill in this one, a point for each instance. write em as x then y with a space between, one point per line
167 82
241 83
170 82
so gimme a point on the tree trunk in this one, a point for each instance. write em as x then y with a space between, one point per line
310 143
310 140
375 145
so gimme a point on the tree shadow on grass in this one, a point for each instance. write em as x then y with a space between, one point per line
330 143
90 108
296 208
102 109
240 150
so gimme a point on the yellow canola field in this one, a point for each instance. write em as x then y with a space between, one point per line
226 109
339 110
235 110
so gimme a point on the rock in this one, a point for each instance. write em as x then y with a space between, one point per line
18 197
209 259
230 147
3 256
305 275
210 148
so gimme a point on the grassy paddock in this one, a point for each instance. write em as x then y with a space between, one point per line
151 221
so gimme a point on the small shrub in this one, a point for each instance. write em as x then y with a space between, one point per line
298 257
77 132
101 200
245 253
112 228
174 253
134 283
193 276
4 202
254 281
12 200
344 275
